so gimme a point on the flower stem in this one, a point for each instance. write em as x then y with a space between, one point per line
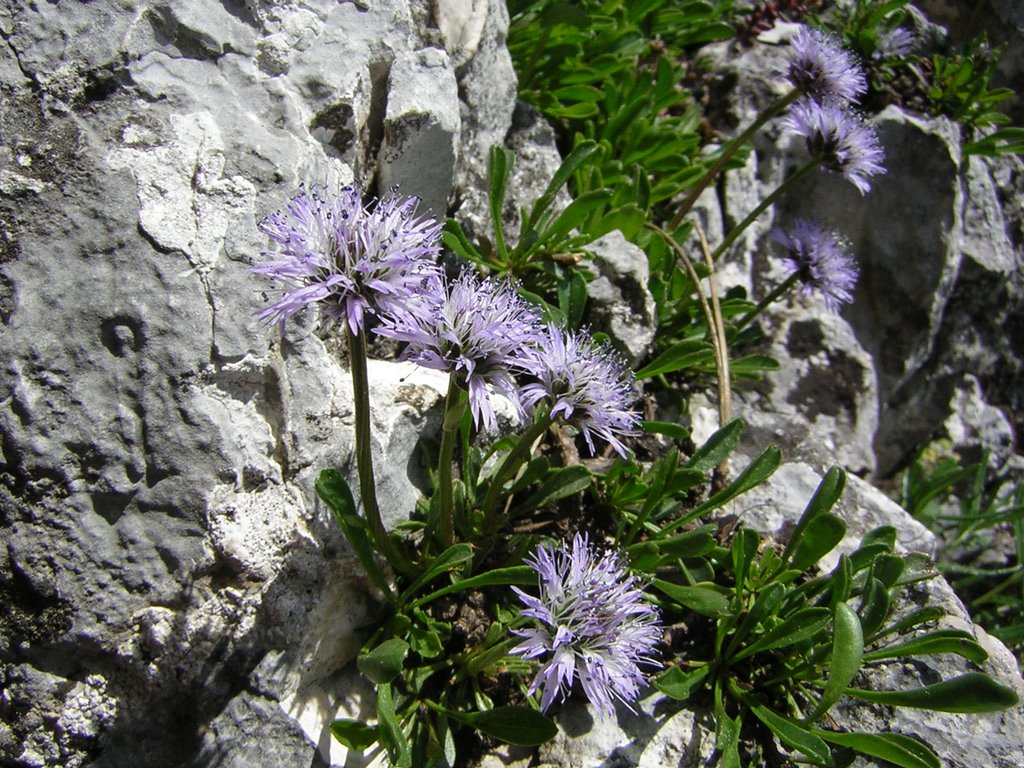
364 456
771 198
776 293
509 465
728 151
454 407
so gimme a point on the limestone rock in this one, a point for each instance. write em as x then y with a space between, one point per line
619 301
421 129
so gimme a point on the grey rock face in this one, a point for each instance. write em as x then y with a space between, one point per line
159 444
619 301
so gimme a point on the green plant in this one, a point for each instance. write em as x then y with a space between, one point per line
790 639
970 508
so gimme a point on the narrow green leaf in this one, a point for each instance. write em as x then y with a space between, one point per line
940 641
825 496
390 730
499 167
684 354
716 448
333 489
562 482
767 602
847 657
727 742
580 154
674 431
799 627
874 607
792 734
703 600
819 537
354 734
519 575
970 693
384 663
742 551
450 558
680 685
892 747
521 726
759 470
752 365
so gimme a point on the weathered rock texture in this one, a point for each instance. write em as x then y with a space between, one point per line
167 577
171 591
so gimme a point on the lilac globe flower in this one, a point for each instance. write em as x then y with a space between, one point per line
817 256
825 70
593 623
839 140
480 330
894 44
351 259
586 385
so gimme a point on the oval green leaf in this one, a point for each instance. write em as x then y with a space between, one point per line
971 693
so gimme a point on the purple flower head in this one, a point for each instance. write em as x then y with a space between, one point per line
893 44
818 257
586 385
823 68
349 258
839 140
481 330
593 622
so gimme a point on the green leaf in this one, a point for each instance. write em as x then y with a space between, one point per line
892 747
742 551
684 354
562 482
354 734
940 641
450 558
819 538
797 628
669 429
767 602
874 607
389 729
331 487
755 473
521 726
847 657
519 575
727 742
578 93
971 693
825 496
499 167
703 600
384 663
716 448
680 685
792 734
752 365
580 154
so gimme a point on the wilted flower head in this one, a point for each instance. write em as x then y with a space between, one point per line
593 622
838 140
818 257
349 258
480 330
825 70
586 385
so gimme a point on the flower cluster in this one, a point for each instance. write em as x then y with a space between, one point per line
593 623
831 80
348 258
479 330
823 69
817 256
585 384
838 140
